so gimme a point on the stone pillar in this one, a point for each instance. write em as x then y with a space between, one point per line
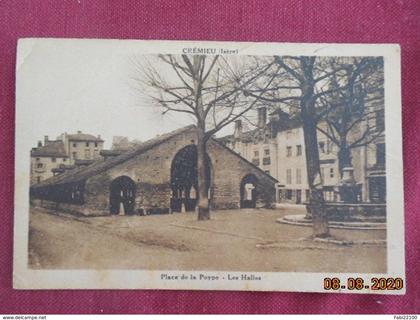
122 210
347 186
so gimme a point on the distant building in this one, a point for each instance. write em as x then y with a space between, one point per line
82 146
120 143
45 158
278 148
67 151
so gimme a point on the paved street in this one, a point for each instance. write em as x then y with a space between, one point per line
240 240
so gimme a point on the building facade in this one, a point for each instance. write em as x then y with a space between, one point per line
45 158
278 148
158 176
67 151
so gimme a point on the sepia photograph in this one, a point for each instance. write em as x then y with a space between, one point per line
200 165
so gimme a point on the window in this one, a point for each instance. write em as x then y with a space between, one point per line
64 159
298 176
266 161
53 159
37 159
289 194
87 154
298 150
95 153
307 195
331 172
380 154
329 195
267 152
322 173
256 153
74 144
96 144
329 146
289 176
39 165
288 151
267 171
380 120
38 179
74 155
322 146
87 144
256 162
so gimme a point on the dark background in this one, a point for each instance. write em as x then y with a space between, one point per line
356 21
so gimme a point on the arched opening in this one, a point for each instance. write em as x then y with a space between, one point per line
122 195
184 179
249 191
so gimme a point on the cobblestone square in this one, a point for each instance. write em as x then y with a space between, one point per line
240 240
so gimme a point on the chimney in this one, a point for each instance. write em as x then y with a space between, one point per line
262 117
39 143
45 140
238 129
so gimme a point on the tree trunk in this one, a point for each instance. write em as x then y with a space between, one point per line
202 207
344 156
316 200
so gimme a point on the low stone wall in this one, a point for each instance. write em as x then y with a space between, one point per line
356 211
67 207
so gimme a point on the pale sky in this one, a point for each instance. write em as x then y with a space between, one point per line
85 85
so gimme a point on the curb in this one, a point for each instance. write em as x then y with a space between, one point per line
299 220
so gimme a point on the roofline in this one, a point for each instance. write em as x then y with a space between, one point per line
89 140
48 156
134 151
242 158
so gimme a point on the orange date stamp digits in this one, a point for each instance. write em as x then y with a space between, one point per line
361 284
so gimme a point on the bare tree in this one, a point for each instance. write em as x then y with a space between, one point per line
299 82
208 88
353 110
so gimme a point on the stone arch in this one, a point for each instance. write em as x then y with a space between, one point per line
249 191
122 195
184 179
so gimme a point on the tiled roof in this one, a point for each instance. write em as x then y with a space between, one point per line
84 172
99 166
52 149
63 167
83 162
106 153
274 126
83 137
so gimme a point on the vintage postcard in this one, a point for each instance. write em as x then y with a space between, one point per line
208 166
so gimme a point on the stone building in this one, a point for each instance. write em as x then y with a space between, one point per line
158 176
121 143
82 146
278 148
45 158
64 153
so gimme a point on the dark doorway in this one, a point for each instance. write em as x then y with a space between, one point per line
184 179
377 189
248 189
122 191
298 196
